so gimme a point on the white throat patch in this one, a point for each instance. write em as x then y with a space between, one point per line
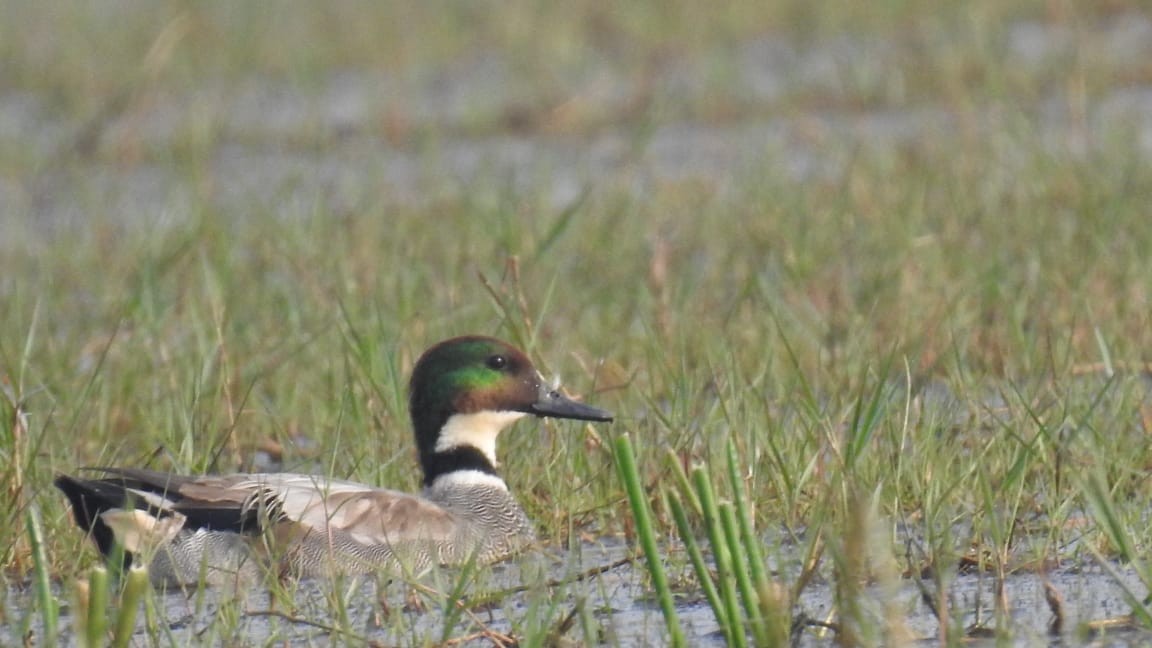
478 430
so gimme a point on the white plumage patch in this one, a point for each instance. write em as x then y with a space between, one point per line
293 495
140 532
478 430
153 499
469 479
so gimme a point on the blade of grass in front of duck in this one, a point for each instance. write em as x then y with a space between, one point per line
744 516
96 620
630 475
454 599
48 607
703 575
769 606
720 554
338 601
79 611
135 584
748 593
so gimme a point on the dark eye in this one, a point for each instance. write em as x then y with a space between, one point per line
497 362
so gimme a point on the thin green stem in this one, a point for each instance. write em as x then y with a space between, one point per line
696 556
637 499
720 553
48 606
135 584
96 626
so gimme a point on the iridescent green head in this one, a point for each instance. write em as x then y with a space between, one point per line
488 379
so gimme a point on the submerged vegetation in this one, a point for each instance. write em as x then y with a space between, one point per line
869 291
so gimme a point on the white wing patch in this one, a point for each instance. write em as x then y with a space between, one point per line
155 500
311 500
140 532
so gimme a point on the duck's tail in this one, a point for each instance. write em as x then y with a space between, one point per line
90 500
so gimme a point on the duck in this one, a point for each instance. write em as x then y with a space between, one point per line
209 529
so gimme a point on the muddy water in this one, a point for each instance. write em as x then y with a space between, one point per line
616 608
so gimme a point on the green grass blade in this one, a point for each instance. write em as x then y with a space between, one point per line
637 500
48 606
135 584
1108 519
748 537
720 553
748 593
703 574
773 618
561 224
96 625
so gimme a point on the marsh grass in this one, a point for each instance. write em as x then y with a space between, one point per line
638 503
49 607
929 356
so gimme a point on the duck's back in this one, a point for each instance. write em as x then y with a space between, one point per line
221 528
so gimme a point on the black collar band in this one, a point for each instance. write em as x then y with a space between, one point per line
441 463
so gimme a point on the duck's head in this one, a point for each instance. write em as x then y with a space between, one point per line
464 391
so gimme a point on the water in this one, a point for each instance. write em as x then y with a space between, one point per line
614 606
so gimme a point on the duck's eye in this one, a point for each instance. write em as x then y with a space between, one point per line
497 362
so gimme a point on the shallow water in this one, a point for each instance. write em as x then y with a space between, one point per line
613 608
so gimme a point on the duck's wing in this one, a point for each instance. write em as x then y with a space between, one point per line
246 503
370 516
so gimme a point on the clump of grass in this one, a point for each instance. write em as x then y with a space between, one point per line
743 598
92 606
1123 541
